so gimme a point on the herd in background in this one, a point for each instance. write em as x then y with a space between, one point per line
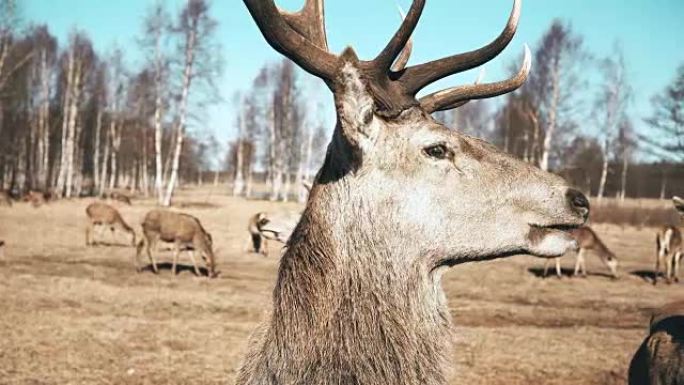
186 233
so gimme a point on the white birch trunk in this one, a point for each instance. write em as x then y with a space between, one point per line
71 137
187 80
604 173
553 115
96 155
61 178
623 178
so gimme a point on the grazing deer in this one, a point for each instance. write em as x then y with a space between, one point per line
271 227
100 214
587 240
36 198
5 199
660 358
258 240
399 199
184 231
669 248
118 196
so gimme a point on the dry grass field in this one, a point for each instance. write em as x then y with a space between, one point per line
76 315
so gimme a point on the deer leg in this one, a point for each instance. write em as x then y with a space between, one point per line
578 262
88 232
152 243
138 250
656 271
558 268
583 262
264 246
546 267
669 261
176 253
194 262
675 262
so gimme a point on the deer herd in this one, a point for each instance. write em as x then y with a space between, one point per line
358 297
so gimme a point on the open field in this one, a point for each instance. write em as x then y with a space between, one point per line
76 315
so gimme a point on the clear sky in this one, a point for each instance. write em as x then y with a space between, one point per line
651 33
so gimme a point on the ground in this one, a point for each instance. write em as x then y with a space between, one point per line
76 315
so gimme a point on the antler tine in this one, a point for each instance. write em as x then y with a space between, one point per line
419 76
385 59
310 22
405 53
283 34
458 96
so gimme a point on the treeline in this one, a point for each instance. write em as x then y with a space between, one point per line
74 121
592 141
280 137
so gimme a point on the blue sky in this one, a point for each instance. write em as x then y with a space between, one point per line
651 33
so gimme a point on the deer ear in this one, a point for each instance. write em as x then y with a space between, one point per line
355 105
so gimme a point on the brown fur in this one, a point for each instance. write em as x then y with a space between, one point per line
669 251
669 248
660 358
100 214
184 231
5 199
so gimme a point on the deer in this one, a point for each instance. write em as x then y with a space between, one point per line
587 240
36 198
669 247
264 227
101 214
659 360
118 196
398 200
258 240
184 231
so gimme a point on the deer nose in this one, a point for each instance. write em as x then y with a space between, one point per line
578 202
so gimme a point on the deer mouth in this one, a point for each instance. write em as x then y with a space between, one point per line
551 240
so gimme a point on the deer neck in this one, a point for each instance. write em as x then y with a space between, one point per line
348 307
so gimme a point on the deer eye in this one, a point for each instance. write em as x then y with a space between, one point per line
437 151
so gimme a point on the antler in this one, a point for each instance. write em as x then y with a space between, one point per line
419 76
458 96
301 37
405 53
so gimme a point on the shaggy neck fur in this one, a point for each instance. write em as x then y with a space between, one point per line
349 307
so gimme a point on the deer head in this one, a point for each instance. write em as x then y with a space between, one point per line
678 204
399 196
455 197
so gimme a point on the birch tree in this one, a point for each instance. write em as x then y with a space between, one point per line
610 108
156 26
196 28
556 80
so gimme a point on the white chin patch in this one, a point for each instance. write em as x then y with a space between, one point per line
553 244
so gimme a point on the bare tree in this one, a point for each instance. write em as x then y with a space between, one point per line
610 108
155 27
199 63
555 80
666 139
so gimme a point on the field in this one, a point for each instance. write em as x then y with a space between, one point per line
76 315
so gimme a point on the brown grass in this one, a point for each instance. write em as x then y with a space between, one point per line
634 212
80 315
